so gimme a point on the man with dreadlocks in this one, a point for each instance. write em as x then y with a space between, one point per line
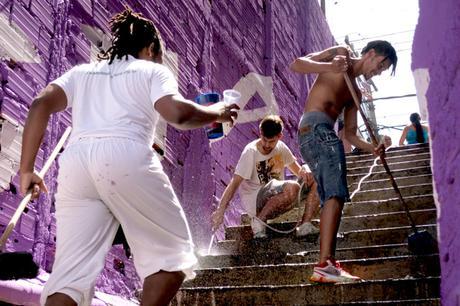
320 147
109 175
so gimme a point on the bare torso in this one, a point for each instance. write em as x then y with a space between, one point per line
330 95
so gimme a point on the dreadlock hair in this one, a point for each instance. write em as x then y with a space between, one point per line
271 126
131 33
415 119
382 47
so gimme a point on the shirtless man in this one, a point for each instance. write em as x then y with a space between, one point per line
320 147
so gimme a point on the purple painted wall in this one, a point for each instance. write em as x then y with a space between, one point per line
435 48
217 43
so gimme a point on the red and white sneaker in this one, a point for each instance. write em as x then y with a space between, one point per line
331 272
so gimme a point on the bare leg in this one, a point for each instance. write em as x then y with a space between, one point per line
346 144
60 299
280 203
161 287
329 225
311 204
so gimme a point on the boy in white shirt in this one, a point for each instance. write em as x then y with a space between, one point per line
260 175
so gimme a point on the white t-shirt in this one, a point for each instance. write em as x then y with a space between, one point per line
257 170
116 100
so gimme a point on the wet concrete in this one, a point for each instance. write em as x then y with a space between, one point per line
372 243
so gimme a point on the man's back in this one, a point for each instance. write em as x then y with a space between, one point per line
116 99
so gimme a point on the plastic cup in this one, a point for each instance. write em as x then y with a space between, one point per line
231 96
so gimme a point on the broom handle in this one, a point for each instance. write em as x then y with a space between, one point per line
28 196
382 158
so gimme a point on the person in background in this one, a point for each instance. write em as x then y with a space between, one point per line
386 140
260 176
415 132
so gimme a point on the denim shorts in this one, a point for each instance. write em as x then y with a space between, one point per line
323 151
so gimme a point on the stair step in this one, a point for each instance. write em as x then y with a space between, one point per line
380 174
356 208
387 220
289 244
395 151
392 166
348 223
389 160
369 184
413 302
308 294
388 193
370 268
312 255
361 208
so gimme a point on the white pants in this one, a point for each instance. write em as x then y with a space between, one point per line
104 182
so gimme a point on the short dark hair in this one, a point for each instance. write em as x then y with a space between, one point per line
383 47
271 126
131 33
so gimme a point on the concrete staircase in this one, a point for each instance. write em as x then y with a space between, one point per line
372 244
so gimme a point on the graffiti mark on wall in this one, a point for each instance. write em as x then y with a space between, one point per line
10 149
422 81
19 48
170 60
99 40
248 86
14 43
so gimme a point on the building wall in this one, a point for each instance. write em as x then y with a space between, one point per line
211 46
436 66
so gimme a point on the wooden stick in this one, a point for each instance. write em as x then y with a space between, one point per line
28 196
382 157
